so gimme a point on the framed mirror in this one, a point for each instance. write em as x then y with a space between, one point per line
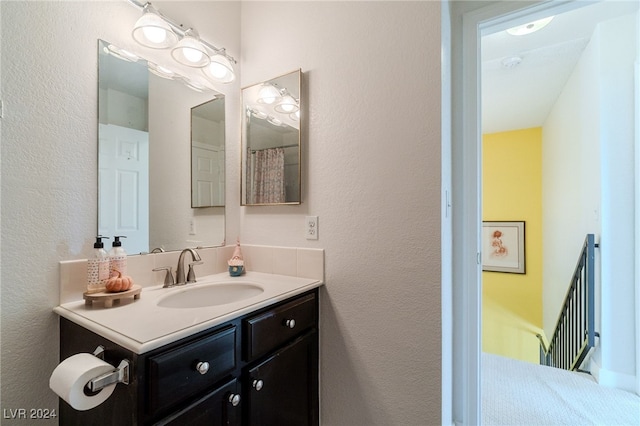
271 143
144 157
207 154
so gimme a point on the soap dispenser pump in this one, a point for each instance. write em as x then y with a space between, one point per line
97 267
117 257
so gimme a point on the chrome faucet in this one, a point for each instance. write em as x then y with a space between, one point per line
191 276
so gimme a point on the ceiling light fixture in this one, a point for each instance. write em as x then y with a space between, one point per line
156 31
511 62
530 27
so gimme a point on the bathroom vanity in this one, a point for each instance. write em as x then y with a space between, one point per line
251 362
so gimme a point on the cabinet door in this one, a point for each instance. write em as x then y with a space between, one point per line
218 408
283 390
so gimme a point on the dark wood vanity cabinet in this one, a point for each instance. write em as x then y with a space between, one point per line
283 342
277 389
260 369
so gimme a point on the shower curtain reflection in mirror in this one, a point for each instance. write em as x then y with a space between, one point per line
266 177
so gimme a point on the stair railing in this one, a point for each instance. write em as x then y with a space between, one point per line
574 335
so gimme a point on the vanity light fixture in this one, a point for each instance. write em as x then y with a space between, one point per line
274 121
287 104
151 30
194 85
530 27
161 71
268 94
155 30
190 51
220 68
123 54
256 113
295 116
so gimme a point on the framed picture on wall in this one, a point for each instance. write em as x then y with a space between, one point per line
503 247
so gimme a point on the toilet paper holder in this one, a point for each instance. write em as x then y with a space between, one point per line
119 374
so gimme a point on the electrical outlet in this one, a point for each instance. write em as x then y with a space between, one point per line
311 227
192 227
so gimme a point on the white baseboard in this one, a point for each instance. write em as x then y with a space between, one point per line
613 379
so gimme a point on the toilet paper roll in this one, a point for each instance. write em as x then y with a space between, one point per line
71 375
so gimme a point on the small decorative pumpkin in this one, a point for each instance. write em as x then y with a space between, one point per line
119 283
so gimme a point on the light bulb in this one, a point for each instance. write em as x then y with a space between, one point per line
155 35
287 105
268 94
192 55
217 70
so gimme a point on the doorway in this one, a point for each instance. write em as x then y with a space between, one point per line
469 23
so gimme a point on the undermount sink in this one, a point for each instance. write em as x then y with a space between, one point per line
200 296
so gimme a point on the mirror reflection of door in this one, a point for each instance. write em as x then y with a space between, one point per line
207 185
207 153
123 182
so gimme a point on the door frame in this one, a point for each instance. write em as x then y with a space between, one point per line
469 22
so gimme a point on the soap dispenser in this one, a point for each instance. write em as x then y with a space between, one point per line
97 267
117 257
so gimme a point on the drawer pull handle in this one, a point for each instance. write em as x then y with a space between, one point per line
290 323
234 399
202 367
257 384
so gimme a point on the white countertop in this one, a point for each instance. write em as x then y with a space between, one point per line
141 325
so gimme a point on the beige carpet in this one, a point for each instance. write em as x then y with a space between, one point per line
520 393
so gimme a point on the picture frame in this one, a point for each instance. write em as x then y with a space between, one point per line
503 246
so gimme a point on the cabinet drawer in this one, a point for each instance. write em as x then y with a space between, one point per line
217 408
266 331
174 375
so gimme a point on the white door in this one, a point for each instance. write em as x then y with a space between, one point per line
123 203
207 183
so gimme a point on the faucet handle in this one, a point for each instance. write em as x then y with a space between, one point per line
168 278
191 275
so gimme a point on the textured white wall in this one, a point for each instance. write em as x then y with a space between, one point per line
49 163
372 175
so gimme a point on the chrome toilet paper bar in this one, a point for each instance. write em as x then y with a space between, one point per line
117 375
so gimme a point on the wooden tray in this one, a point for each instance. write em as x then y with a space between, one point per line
108 298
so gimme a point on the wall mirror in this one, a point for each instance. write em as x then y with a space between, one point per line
271 141
144 157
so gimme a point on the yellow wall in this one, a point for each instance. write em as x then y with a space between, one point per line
512 190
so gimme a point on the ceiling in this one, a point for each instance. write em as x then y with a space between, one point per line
522 96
